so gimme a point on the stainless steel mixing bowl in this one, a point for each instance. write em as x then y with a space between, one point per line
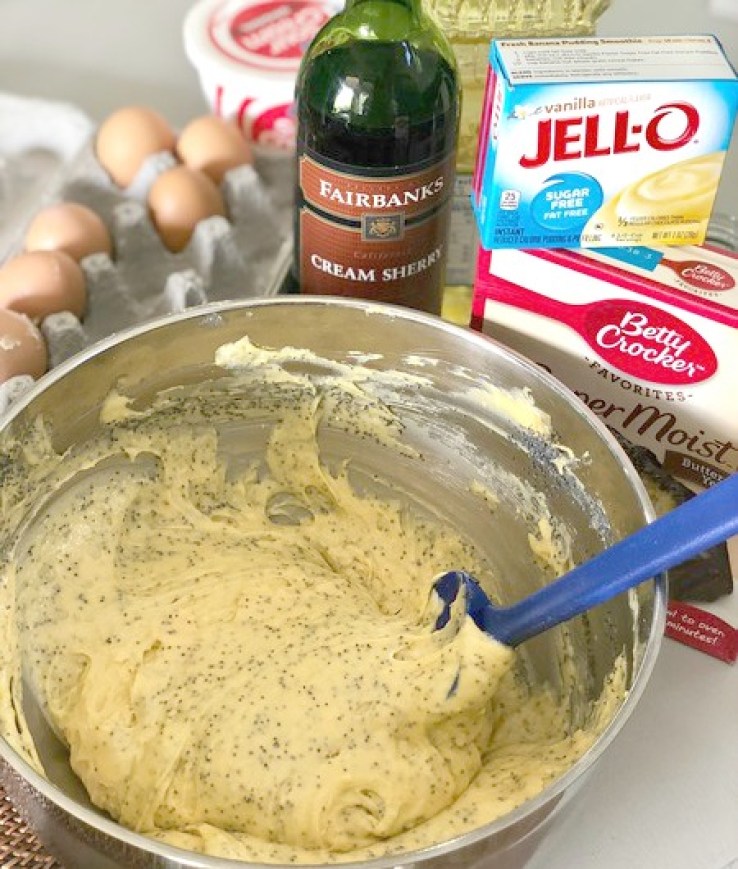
601 502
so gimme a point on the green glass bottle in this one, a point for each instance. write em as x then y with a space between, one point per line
377 122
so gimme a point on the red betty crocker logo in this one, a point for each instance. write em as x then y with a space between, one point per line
269 33
647 343
702 275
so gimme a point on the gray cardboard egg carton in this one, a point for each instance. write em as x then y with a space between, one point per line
47 156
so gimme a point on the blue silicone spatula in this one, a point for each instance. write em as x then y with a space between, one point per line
689 529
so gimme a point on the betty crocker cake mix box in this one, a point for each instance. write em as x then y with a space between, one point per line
646 337
599 142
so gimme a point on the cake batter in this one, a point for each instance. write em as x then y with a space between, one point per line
245 663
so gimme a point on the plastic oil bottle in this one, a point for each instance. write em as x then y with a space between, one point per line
470 25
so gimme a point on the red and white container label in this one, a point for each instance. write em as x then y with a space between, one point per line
268 34
247 53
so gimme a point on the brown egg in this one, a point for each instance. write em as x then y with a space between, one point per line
127 137
22 347
213 145
42 282
71 228
178 200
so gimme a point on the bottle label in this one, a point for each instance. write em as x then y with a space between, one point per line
379 236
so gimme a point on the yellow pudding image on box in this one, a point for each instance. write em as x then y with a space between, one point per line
602 142
674 202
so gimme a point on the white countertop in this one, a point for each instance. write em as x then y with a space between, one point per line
665 794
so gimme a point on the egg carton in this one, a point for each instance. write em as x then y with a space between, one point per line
47 156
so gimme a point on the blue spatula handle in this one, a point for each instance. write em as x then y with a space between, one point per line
691 528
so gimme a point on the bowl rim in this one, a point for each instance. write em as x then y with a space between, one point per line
640 678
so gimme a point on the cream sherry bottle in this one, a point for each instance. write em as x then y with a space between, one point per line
378 109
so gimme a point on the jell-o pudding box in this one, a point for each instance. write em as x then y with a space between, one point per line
602 142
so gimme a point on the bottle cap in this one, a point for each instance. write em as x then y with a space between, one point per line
247 54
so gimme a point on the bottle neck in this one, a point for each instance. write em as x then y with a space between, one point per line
412 6
383 19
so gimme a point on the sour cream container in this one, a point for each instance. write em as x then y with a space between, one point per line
247 53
